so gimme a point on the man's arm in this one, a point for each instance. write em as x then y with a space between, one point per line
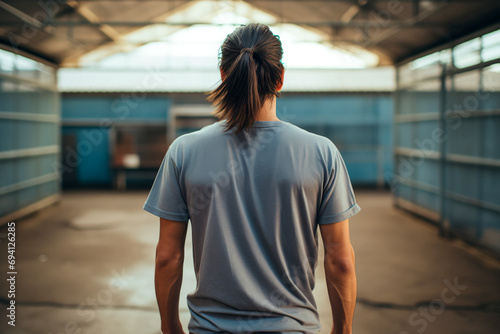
168 273
340 274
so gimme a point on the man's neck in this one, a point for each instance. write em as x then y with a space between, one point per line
268 111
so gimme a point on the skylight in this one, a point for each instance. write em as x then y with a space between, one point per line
197 46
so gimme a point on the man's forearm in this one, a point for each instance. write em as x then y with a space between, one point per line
168 281
341 284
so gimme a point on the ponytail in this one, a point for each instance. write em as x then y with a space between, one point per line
251 72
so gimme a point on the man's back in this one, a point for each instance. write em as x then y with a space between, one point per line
254 200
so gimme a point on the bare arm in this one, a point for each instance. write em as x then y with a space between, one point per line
340 274
168 273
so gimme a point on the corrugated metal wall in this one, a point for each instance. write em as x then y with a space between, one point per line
29 135
447 154
359 124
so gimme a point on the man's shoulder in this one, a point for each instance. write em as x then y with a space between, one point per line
200 135
292 134
310 138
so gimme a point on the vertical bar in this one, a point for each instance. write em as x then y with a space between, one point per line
443 225
377 128
412 91
112 154
380 166
15 144
393 183
482 139
56 100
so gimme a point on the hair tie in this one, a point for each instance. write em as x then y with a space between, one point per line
247 50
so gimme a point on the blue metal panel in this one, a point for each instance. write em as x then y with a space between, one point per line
27 168
425 102
29 115
457 184
48 134
120 108
8 173
493 99
362 173
92 154
8 204
7 135
491 126
94 166
404 135
464 217
423 135
46 163
406 192
331 110
427 172
27 196
489 186
7 93
405 98
26 134
49 188
427 200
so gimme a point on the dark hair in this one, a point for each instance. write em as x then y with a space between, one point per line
251 68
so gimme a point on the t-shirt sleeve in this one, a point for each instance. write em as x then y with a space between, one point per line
338 202
166 198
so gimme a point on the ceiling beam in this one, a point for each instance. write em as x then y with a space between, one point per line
111 46
135 44
415 21
22 42
92 18
334 24
350 13
26 18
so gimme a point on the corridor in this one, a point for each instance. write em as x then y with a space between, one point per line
86 266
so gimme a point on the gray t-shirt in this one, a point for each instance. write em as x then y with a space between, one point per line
254 200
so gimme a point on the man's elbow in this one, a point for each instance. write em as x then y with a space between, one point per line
169 259
340 268
341 265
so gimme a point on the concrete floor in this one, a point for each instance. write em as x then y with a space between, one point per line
86 266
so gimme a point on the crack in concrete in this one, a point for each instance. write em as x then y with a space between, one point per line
82 306
481 307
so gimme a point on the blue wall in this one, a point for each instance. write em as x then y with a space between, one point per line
88 124
447 125
359 124
92 155
117 108
29 136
